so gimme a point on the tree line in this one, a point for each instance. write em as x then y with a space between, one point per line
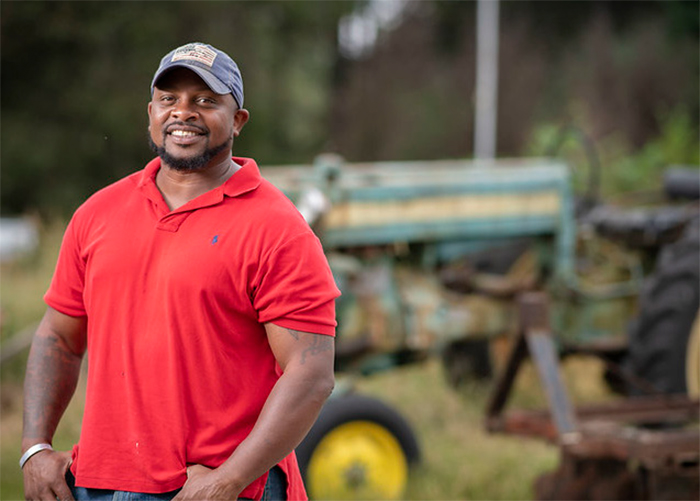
75 81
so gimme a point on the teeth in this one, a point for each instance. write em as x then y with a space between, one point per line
183 133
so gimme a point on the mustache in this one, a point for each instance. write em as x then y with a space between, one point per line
171 125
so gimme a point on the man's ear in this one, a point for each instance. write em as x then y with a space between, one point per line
239 120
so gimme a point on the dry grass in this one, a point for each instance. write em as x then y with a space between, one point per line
461 461
25 281
21 290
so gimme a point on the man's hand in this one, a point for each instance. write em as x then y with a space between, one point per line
45 476
204 483
306 360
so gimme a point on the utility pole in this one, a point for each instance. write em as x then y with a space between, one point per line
486 79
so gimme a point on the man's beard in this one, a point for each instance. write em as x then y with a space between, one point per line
188 163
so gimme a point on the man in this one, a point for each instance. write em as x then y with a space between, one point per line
206 308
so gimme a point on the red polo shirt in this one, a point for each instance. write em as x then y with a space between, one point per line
178 361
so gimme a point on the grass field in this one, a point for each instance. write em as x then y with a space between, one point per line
460 460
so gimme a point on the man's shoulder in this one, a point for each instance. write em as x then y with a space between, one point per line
117 188
114 193
274 203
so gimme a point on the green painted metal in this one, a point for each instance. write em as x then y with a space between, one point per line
349 186
443 230
389 227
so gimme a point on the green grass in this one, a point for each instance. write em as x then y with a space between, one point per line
460 460
25 281
21 290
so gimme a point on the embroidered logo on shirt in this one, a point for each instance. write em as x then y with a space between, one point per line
215 239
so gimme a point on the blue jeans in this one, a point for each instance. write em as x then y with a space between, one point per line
275 490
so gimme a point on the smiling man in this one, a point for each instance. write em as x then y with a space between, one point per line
206 307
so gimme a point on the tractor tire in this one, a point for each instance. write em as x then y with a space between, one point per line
465 361
359 448
663 338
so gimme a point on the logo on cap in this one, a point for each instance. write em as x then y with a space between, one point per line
195 52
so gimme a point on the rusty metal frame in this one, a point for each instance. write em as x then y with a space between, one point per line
597 440
534 339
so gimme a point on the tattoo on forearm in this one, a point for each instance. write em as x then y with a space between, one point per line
316 344
52 374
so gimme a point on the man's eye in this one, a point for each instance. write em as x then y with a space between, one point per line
167 99
205 100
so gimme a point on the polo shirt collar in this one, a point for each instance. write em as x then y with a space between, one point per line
244 180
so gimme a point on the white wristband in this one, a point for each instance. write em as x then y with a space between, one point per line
33 450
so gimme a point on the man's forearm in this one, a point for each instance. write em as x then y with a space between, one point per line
52 375
290 411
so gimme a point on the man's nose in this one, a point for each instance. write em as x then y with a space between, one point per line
184 111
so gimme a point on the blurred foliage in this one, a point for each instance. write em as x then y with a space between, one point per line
623 62
75 80
76 76
624 168
678 143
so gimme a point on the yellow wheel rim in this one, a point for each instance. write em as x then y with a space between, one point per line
357 460
692 359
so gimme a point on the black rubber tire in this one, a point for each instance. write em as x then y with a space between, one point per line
465 361
668 307
353 407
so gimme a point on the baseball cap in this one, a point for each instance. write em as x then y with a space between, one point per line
215 67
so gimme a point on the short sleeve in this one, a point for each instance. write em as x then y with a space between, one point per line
65 293
295 288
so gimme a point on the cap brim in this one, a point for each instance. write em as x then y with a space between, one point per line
212 82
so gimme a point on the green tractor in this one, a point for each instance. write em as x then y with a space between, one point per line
431 258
